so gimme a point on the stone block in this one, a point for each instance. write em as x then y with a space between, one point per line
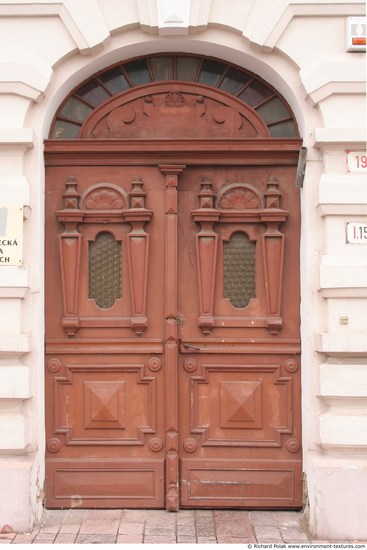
337 497
13 431
344 380
343 429
16 480
15 382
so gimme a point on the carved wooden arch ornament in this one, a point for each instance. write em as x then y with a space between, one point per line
240 203
174 110
103 203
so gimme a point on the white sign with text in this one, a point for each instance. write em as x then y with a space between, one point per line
11 235
356 233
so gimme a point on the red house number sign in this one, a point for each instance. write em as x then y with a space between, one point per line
357 161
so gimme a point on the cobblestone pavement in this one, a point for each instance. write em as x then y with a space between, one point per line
159 527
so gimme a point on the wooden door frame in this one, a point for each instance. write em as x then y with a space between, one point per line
244 152
171 157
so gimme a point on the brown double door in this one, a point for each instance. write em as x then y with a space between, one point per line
172 333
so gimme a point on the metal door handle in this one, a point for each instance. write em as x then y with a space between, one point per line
189 346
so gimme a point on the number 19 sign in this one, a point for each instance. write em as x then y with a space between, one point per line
357 161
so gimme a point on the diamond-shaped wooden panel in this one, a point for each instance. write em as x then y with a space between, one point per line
240 404
104 404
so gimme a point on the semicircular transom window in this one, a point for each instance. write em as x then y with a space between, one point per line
111 82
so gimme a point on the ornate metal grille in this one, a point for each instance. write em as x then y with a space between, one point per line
105 270
239 270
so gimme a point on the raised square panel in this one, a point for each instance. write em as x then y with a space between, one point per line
240 404
104 404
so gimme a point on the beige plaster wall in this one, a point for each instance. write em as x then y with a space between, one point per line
47 48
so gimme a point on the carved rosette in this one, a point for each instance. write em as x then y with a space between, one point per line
190 365
190 445
293 445
104 199
54 365
291 365
53 445
155 364
239 198
156 444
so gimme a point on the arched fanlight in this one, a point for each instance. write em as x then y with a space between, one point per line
234 80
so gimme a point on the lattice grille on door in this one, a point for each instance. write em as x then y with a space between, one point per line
105 270
239 270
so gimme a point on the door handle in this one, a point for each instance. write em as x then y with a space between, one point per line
189 346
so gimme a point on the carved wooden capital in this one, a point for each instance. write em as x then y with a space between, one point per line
71 196
137 195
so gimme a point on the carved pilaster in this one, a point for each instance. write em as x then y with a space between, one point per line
273 242
171 173
69 252
138 255
206 251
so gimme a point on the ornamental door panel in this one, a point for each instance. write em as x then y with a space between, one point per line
172 351
105 384
238 315
172 306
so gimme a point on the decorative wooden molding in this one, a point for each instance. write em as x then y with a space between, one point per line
138 255
215 152
173 110
273 242
121 428
240 203
220 430
265 346
103 203
171 173
206 251
69 250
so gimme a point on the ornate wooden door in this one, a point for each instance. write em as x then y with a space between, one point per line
239 378
172 310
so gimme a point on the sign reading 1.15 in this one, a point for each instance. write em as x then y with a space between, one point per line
357 233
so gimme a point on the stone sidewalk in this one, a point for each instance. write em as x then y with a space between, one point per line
159 527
